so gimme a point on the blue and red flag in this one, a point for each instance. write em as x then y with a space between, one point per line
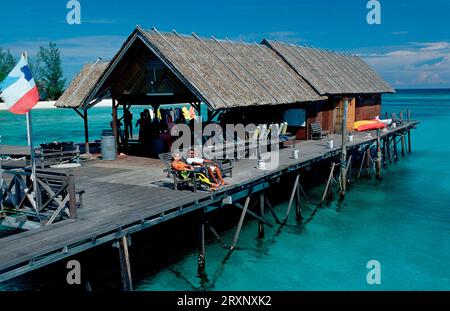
19 91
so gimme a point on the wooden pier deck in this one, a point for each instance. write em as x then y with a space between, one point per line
131 193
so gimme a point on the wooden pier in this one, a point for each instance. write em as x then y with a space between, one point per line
131 194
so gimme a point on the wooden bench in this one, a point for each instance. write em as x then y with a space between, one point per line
316 131
55 156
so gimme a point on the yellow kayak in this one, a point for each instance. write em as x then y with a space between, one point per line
357 124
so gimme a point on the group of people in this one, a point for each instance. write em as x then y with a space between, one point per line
209 172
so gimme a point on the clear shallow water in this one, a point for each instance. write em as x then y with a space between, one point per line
402 221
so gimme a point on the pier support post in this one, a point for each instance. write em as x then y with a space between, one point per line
385 152
298 207
368 160
291 199
241 221
125 265
271 210
327 186
394 141
379 156
262 212
389 149
409 141
202 253
402 136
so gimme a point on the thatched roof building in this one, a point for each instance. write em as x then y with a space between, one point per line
331 73
78 93
165 68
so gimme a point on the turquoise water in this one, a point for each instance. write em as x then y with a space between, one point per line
402 221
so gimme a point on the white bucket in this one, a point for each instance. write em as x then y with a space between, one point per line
330 144
350 138
261 164
295 153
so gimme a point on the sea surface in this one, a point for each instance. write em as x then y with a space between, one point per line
403 222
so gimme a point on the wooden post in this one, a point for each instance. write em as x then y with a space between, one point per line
125 265
402 136
291 199
385 150
394 138
368 160
298 207
261 210
328 183
201 255
271 210
86 132
114 123
401 115
408 115
379 156
409 141
72 196
344 150
241 221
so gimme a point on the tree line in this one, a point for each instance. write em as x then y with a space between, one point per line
45 66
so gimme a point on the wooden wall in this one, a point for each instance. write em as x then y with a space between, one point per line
368 107
322 112
327 112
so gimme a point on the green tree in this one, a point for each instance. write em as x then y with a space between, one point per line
7 63
48 72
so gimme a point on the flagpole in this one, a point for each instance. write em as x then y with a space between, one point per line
34 193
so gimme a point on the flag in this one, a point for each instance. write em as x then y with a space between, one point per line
19 91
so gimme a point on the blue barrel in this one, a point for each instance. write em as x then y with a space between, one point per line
108 148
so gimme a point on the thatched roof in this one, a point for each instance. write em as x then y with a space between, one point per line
230 74
331 73
79 90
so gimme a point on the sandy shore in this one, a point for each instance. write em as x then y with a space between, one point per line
51 105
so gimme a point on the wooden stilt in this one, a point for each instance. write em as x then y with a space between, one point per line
362 163
125 266
271 210
216 235
262 212
409 141
348 172
403 144
291 199
394 141
241 221
384 155
379 156
368 157
389 149
327 186
201 255
298 207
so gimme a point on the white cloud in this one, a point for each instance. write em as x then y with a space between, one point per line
417 64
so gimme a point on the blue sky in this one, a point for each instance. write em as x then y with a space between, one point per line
409 49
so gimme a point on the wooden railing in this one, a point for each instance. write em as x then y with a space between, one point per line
55 198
